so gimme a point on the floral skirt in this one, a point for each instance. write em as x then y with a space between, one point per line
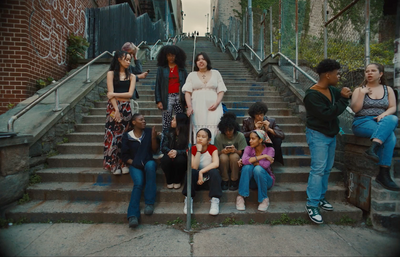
113 136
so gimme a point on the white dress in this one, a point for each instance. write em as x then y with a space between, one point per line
203 96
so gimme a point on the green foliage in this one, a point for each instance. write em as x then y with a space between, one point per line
21 221
231 221
25 198
10 106
52 153
251 222
62 220
86 221
42 83
345 220
34 179
4 222
286 220
65 140
176 221
77 46
369 222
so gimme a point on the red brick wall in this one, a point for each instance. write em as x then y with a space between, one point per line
33 41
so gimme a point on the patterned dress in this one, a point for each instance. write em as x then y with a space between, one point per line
113 133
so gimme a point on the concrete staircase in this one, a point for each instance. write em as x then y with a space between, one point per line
74 187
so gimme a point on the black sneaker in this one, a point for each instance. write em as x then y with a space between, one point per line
225 185
325 205
133 222
149 209
234 185
313 213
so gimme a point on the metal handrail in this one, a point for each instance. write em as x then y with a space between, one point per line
230 42
251 55
189 162
302 71
141 43
222 44
10 125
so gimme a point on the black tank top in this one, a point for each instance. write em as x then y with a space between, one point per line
122 87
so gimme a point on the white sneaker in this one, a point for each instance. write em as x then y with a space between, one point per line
214 210
125 170
177 186
185 208
240 206
117 172
170 186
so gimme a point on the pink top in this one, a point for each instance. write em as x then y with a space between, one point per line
251 152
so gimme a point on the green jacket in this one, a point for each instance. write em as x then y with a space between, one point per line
322 114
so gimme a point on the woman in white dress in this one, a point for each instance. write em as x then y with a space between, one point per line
204 90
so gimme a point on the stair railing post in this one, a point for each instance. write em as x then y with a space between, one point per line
270 29
189 181
57 102
88 74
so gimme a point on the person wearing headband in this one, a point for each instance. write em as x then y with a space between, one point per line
256 171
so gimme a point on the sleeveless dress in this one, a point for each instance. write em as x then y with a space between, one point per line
114 130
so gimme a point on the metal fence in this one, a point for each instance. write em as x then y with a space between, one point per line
309 31
110 27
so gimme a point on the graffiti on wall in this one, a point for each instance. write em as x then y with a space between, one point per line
50 23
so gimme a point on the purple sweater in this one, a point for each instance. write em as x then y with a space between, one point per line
251 152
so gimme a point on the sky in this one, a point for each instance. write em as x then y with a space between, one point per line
196 15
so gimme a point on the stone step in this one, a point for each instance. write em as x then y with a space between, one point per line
101 176
99 136
106 191
155 119
272 112
96 160
115 212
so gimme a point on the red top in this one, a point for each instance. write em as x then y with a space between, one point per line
173 84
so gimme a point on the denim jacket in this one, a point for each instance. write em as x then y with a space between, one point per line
161 89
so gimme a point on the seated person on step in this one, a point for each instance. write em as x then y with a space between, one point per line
205 175
138 146
258 120
174 146
230 143
256 171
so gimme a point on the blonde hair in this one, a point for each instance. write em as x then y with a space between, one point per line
129 46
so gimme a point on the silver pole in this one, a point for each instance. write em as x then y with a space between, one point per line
250 24
189 181
270 29
88 74
367 33
325 29
262 35
295 75
57 107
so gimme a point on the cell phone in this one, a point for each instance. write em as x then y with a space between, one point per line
205 178
229 146
148 71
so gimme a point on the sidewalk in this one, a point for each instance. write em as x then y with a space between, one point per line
71 239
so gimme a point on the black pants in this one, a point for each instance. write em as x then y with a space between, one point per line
213 184
174 169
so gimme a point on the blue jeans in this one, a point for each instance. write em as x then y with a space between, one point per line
254 177
140 178
383 130
322 149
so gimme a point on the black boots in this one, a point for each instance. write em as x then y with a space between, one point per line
372 151
385 180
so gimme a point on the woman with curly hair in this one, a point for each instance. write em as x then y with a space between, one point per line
258 120
204 90
171 76
120 87
230 144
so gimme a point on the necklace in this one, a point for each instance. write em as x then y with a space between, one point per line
172 69
204 76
